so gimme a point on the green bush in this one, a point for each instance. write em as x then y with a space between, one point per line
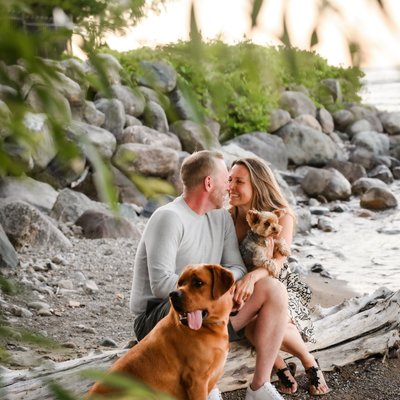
239 85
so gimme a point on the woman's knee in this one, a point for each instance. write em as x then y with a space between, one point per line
272 290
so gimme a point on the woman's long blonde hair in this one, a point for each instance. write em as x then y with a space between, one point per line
267 194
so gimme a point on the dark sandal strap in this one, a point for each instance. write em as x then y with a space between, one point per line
312 374
283 378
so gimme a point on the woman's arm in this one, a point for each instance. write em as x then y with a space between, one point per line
287 223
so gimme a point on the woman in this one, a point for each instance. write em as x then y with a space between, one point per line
252 185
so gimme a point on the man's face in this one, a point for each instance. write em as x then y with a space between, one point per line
220 184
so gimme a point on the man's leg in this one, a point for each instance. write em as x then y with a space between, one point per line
146 321
265 317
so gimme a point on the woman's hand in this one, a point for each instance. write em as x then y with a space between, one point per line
244 288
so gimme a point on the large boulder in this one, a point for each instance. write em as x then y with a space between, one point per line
114 112
157 75
361 185
26 226
194 136
297 103
147 160
268 147
8 255
38 194
307 146
97 224
329 183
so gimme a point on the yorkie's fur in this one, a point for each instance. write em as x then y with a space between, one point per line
255 247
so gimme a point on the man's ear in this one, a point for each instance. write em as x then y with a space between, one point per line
208 183
222 280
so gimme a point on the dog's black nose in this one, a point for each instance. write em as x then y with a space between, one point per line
176 299
175 295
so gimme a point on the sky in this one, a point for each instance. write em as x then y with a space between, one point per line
229 20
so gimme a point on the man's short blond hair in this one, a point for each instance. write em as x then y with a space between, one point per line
198 166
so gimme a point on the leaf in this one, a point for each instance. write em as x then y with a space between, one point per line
257 4
314 38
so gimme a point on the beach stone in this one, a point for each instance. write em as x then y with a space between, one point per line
39 194
351 171
132 100
130 120
27 226
328 183
157 75
111 67
325 224
307 146
8 255
149 136
181 108
156 96
114 112
381 172
334 88
396 172
308 120
154 116
378 199
194 136
277 119
297 103
147 160
303 223
99 224
358 126
342 119
390 122
270 148
360 186
92 115
325 119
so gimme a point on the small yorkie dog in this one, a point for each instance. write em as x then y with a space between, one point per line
254 247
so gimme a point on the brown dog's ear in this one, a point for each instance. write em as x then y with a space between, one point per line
222 280
253 217
279 213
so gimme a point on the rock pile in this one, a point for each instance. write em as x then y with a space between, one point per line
147 130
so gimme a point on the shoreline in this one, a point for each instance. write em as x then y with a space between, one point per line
328 292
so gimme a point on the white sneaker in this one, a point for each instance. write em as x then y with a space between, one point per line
215 394
265 392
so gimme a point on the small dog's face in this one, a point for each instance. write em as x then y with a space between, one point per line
203 295
264 223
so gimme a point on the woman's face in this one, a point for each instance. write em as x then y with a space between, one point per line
240 188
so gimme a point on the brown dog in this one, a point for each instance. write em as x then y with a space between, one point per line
185 353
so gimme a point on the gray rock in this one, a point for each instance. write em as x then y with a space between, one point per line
306 146
325 119
155 117
270 148
194 137
147 160
132 100
297 103
26 226
114 112
38 194
378 198
278 118
351 171
8 255
329 183
157 75
96 225
381 172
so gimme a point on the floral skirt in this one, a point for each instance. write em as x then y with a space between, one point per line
299 296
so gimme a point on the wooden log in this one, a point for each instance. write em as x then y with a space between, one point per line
354 330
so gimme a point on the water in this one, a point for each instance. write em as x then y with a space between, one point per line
382 88
365 252
361 251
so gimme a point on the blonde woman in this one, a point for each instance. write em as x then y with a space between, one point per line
252 185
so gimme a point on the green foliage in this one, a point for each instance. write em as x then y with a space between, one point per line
239 85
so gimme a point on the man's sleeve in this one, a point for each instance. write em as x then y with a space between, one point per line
231 257
162 240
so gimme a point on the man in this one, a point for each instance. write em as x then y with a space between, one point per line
193 229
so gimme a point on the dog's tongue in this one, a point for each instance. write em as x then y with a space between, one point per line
195 319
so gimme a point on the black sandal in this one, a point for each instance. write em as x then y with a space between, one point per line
284 379
312 374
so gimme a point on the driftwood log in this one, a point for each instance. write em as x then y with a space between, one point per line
354 330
